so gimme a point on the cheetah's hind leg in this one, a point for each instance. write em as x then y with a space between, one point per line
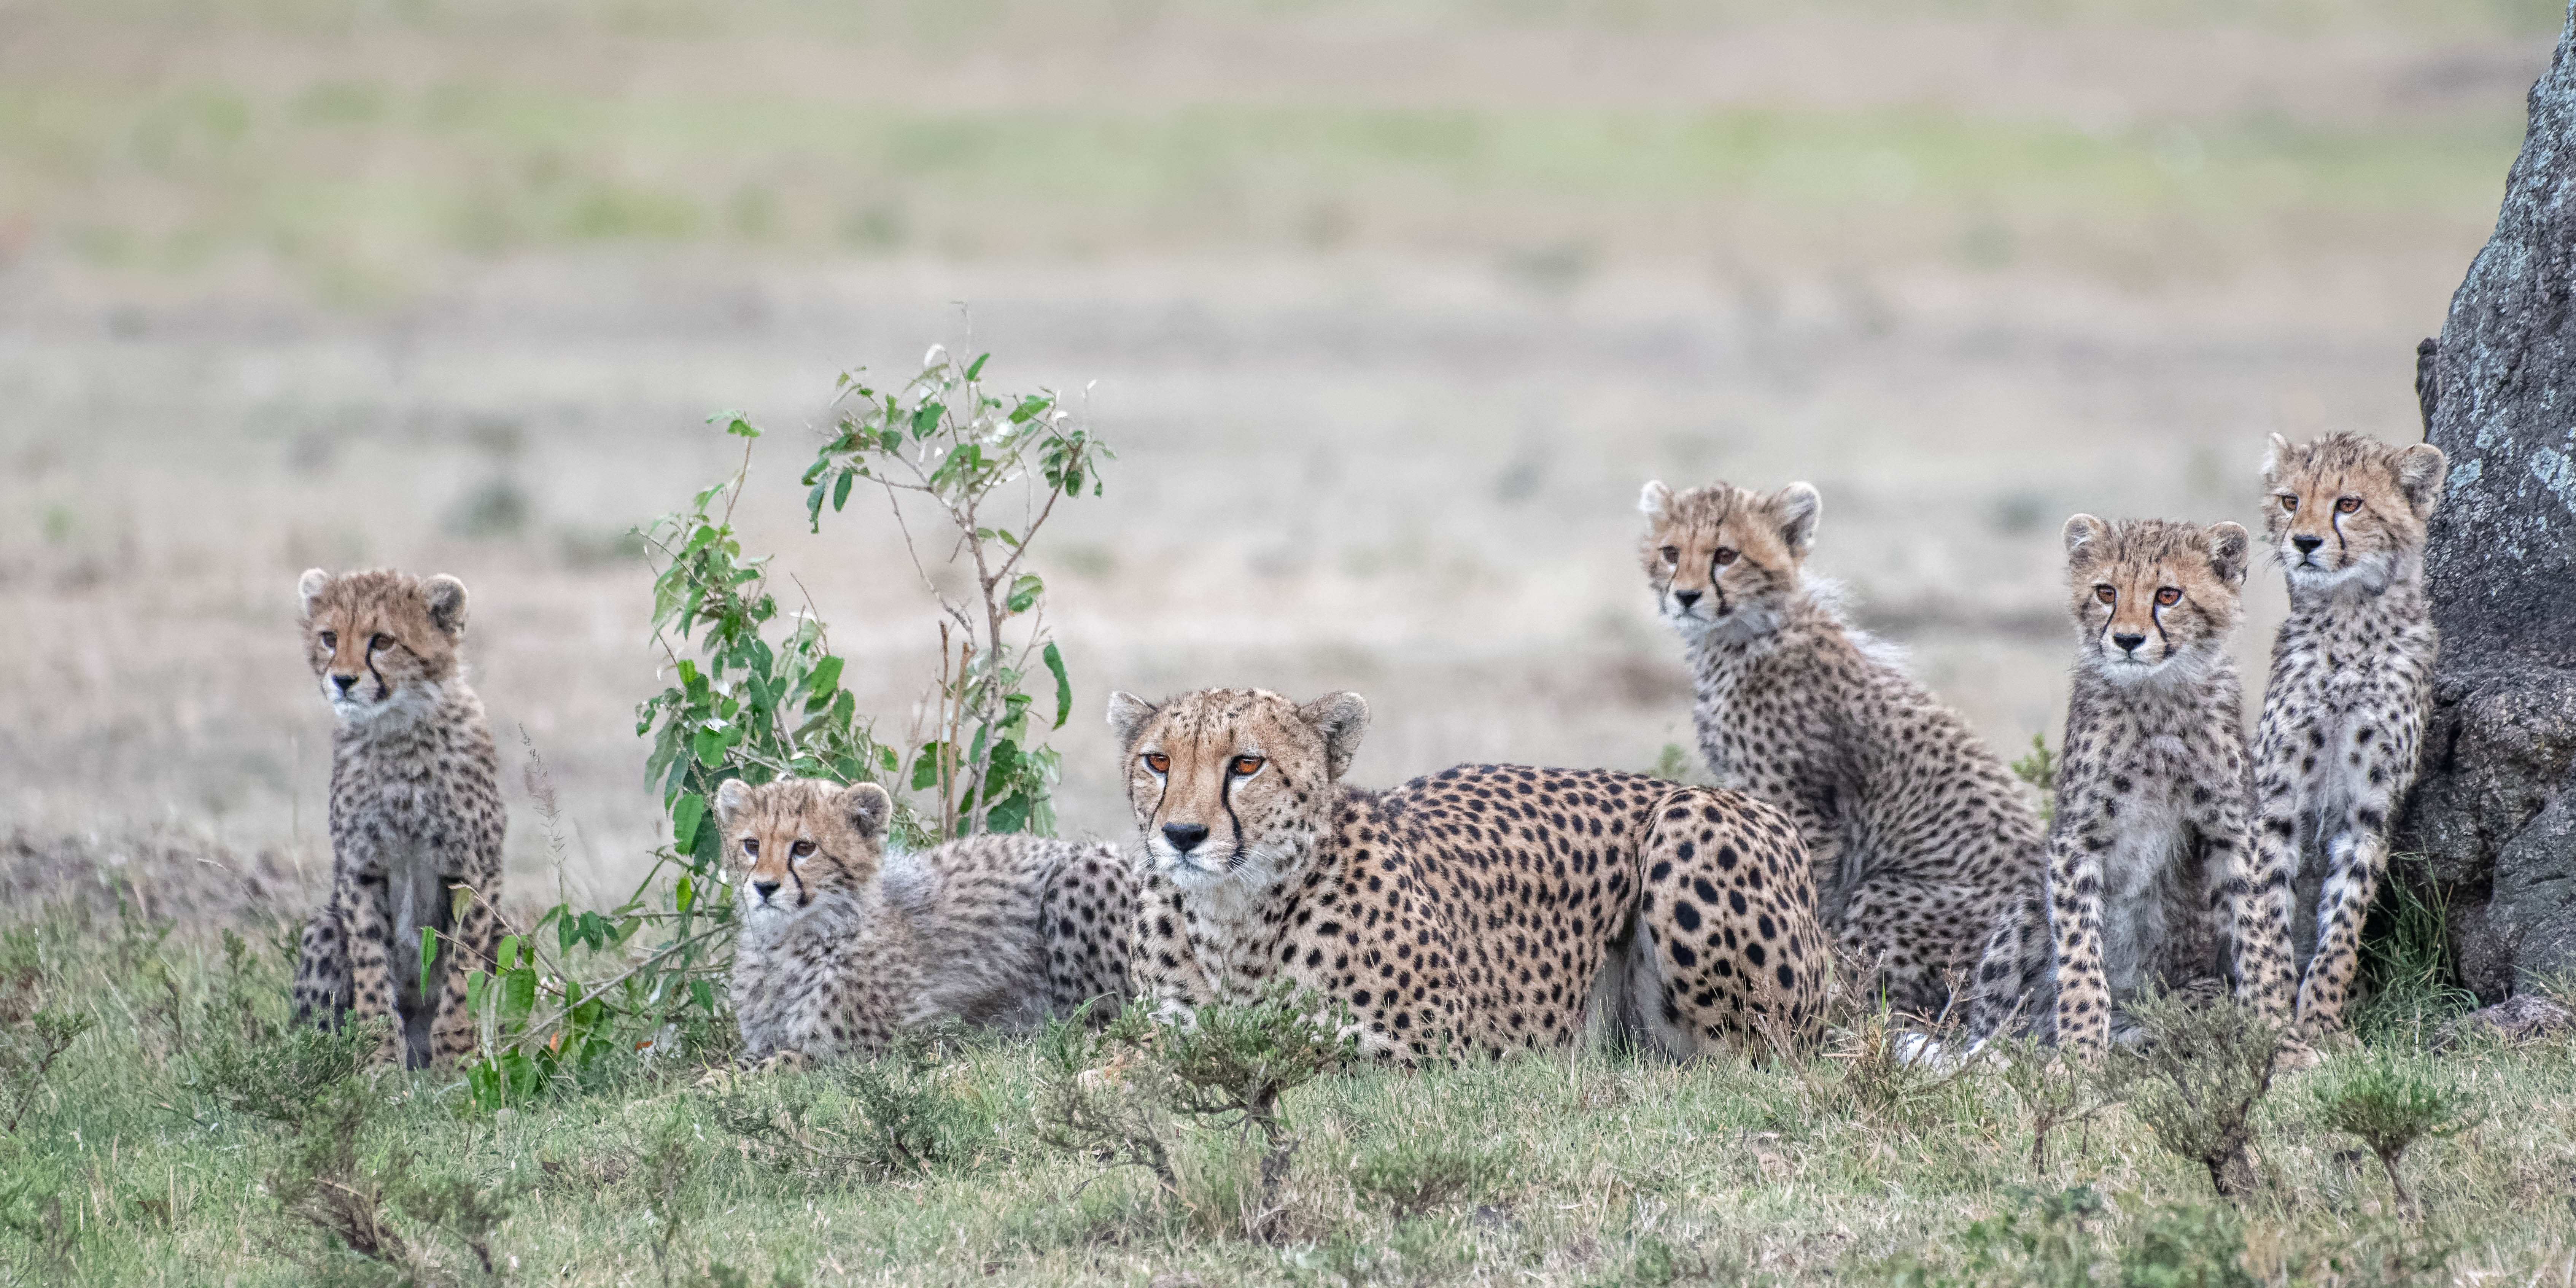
1729 954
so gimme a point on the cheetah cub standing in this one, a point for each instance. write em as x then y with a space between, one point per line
2148 857
2352 677
416 814
1921 839
841 945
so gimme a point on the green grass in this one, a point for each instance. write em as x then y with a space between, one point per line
386 136
134 1167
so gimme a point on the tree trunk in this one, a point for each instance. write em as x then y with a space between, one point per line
2492 817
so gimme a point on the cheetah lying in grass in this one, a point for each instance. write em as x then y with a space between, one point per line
1487 908
841 945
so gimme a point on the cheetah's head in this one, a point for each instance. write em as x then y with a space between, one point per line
1234 785
1724 559
2348 509
798 840
381 641
2154 599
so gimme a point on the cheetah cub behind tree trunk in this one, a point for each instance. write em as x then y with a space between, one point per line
1921 839
2352 678
416 814
841 945
2148 859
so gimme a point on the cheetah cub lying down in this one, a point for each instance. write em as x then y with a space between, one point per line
2150 857
416 815
1487 908
841 944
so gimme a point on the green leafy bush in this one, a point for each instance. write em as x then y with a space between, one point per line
2204 1067
2391 1103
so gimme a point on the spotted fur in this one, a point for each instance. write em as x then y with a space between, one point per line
1487 908
1922 841
842 946
2149 857
2352 677
416 813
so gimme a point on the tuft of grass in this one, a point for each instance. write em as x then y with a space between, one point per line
2409 975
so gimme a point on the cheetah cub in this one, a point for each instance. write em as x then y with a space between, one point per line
841 944
416 814
2148 857
1921 839
2352 678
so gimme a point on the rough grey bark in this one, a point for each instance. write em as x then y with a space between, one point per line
2493 815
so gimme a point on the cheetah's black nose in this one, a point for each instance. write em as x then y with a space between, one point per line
2307 545
2128 643
1686 598
766 889
346 682
1184 837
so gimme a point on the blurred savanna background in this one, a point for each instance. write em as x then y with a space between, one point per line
1388 309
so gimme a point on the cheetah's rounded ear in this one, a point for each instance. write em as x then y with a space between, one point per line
445 596
1656 502
2228 543
1797 507
732 800
1127 716
868 809
310 587
2273 451
1342 719
2419 475
2083 530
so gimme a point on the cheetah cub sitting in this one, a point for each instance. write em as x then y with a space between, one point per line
1921 838
2352 679
841 944
1486 908
416 814
2149 856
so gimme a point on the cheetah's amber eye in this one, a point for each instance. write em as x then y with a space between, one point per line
2106 594
380 642
751 847
2289 503
2348 504
1725 556
1158 762
1246 766
2169 597
330 639
1672 554
800 849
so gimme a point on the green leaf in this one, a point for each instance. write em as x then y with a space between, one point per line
976 368
1063 686
736 425
685 816
925 767
925 418
518 997
710 745
686 894
814 504
841 491
1025 592
704 994
428 955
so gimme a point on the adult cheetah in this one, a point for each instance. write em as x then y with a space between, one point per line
1923 843
2352 679
416 813
842 945
1486 908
